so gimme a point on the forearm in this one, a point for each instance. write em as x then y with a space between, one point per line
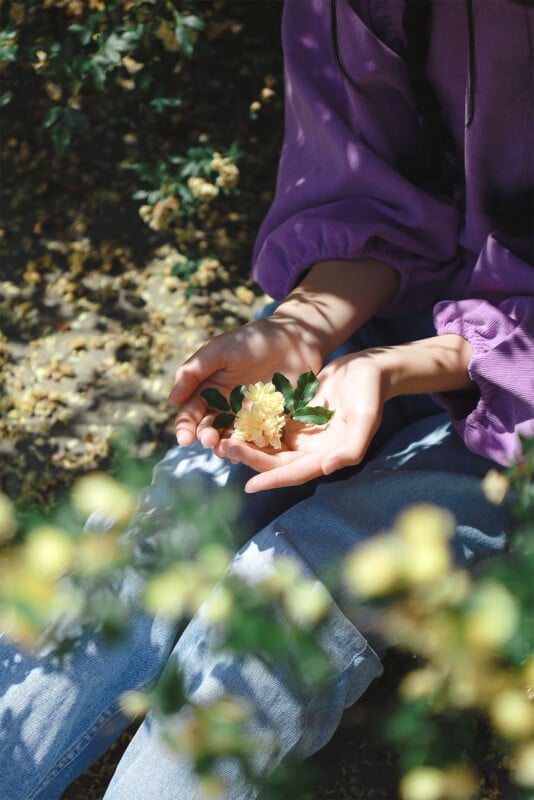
438 364
336 298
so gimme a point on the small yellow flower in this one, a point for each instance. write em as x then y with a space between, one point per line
523 765
7 518
375 568
495 487
423 783
48 551
307 603
202 189
100 492
493 618
512 714
166 33
253 425
265 397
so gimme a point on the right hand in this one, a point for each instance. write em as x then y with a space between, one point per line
247 354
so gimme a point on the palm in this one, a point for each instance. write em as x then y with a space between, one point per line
245 355
310 451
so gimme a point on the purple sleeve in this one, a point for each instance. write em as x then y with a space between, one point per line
500 327
350 120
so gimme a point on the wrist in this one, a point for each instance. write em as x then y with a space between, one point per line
337 297
437 364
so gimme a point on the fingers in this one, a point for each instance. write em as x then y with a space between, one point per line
259 460
207 435
283 468
188 419
300 469
194 371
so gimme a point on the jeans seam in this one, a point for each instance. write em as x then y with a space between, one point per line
76 748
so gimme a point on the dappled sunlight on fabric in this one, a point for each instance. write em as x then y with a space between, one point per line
309 41
354 156
323 113
435 437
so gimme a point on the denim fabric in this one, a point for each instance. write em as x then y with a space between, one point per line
55 721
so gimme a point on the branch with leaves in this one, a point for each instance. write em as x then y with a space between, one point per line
269 407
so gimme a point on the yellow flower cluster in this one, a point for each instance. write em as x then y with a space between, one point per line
208 270
165 32
202 189
417 552
158 216
263 421
228 171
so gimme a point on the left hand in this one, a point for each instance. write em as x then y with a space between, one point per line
355 386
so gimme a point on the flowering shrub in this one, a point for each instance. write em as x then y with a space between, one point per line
67 48
123 70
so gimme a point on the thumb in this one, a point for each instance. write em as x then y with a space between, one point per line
193 372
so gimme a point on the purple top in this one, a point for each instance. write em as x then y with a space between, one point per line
340 194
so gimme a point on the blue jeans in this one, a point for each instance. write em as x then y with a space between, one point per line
54 722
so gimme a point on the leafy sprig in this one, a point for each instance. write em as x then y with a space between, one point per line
296 401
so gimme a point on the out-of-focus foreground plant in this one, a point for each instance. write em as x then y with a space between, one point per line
107 556
473 636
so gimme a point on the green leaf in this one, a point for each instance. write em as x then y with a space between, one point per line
223 420
5 99
236 398
307 385
215 399
312 415
283 386
52 116
194 22
162 103
84 33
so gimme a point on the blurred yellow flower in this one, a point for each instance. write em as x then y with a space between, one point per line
218 606
512 714
307 602
422 682
523 765
100 492
165 32
423 783
48 551
423 521
425 561
375 568
495 487
168 594
134 704
7 518
493 616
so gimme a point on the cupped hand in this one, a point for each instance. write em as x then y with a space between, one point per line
355 387
247 354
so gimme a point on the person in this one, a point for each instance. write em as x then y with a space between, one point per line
399 250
